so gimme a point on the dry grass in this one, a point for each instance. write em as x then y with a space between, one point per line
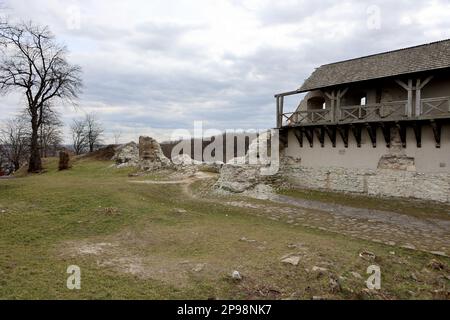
152 241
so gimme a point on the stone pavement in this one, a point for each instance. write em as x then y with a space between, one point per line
431 235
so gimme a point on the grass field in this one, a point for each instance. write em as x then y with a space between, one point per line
154 241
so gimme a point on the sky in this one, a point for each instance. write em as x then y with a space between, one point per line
150 67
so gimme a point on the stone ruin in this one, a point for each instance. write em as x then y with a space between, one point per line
151 156
147 155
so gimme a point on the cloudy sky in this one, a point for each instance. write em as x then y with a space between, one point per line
150 67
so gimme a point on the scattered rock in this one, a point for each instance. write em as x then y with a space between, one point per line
367 255
244 239
392 253
199 267
236 276
409 246
127 155
335 286
293 260
184 160
436 265
319 269
181 211
356 275
318 298
439 253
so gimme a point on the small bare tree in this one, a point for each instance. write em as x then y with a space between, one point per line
32 62
79 139
14 139
50 134
94 131
117 134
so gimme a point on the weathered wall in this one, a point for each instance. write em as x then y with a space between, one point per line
410 172
428 158
380 182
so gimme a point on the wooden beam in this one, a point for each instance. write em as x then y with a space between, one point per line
299 135
437 129
372 131
357 133
343 132
402 132
278 112
331 134
417 127
321 136
289 93
408 87
386 129
309 134
426 81
418 98
410 97
341 93
419 86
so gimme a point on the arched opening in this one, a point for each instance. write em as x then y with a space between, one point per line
316 103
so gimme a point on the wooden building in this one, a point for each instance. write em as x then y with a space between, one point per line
384 111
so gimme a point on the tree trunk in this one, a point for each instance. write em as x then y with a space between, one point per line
35 164
16 165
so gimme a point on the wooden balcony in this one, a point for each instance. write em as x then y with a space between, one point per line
387 111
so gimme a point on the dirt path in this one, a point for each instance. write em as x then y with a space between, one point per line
431 235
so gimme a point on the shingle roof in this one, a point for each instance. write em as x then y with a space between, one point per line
421 58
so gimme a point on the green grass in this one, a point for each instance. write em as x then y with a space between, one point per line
153 247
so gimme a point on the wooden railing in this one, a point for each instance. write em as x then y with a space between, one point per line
310 116
386 111
435 107
373 112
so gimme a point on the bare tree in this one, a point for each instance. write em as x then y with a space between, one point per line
79 139
117 134
14 139
31 61
94 131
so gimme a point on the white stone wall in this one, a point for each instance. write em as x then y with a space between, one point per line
379 182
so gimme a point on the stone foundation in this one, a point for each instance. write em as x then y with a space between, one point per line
380 182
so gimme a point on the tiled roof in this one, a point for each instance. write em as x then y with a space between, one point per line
431 56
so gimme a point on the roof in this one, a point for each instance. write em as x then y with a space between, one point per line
431 56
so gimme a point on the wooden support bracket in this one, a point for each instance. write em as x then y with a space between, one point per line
437 129
357 132
372 131
343 132
331 134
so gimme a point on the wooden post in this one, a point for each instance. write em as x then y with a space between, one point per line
418 98
408 87
281 110
278 113
419 86
410 97
332 96
340 95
